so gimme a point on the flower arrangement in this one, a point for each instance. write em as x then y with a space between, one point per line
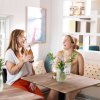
63 68
61 64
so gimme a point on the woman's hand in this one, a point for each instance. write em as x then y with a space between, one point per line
26 58
32 86
32 58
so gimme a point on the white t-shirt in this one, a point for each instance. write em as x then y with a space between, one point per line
25 70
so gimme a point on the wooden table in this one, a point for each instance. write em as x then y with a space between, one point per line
12 93
73 82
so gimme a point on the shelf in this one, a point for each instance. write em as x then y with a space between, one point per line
76 0
80 18
85 34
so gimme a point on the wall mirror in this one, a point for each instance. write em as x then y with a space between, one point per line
36 25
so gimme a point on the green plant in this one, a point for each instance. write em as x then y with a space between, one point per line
50 55
72 57
1 63
61 64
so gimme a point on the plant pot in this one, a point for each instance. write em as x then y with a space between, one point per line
1 81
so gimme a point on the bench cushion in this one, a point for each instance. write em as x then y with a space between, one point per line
92 71
38 67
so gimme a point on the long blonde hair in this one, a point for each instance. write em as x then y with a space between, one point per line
13 43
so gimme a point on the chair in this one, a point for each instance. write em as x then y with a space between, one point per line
4 74
47 64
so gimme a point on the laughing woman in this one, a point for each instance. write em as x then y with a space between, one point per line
77 65
18 64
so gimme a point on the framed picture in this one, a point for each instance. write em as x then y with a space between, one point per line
36 25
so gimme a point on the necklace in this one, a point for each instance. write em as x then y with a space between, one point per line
67 55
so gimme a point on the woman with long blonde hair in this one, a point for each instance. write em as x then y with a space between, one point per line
18 63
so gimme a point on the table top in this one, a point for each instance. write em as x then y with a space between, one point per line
12 93
73 82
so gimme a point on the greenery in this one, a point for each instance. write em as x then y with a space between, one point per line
61 63
72 57
50 55
1 63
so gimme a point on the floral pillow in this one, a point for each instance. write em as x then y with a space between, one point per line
38 67
92 71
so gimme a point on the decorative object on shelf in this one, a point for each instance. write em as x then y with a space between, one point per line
77 8
1 77
62 68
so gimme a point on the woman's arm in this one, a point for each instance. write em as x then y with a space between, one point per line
14 68
81 64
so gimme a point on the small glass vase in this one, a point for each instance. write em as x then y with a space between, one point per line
1 82
60 76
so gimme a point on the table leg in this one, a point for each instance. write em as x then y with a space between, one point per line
61 96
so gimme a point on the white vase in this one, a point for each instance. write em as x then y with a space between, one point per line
60 76
1 82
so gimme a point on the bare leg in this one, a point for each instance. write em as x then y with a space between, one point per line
71 95
53 95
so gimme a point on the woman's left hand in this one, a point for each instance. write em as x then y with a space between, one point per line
32 86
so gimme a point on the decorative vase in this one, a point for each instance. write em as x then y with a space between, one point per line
1 82
60 76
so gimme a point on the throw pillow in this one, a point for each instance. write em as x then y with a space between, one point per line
38 67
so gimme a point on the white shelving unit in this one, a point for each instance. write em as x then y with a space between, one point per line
89 38
88 28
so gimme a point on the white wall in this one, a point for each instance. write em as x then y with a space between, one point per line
17 10
56 26
44 48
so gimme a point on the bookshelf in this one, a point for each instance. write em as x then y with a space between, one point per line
85 26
